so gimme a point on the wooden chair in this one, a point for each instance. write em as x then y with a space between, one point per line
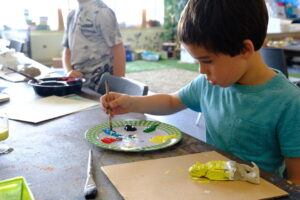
275 58
122 85
296 21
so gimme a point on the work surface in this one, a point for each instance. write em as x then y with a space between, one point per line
52 155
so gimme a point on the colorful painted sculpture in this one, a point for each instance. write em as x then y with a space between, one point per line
225 170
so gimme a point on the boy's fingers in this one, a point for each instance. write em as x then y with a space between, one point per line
103 100
113 104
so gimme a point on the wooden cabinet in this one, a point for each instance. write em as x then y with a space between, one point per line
46 45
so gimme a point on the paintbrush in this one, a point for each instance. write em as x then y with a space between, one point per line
108 100
90 188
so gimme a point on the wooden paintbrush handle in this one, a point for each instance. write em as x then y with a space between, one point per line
108 100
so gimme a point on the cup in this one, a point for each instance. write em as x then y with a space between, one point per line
4 132
4 127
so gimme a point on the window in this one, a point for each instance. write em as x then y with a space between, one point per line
12 12
128 12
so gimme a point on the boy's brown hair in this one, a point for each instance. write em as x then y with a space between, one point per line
221 26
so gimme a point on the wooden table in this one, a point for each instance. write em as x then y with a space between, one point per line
293 50
52 155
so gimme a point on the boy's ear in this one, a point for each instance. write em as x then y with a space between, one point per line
248 49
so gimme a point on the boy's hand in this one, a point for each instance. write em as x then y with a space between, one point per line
75 74
119 103
292 166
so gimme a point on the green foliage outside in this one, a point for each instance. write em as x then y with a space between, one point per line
142 65
292 74
173 9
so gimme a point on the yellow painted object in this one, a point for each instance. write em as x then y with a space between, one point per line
16 189
213 170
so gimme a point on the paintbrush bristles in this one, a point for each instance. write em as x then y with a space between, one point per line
90 192
108 100
110 122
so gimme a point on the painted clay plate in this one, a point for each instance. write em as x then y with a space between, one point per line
134 141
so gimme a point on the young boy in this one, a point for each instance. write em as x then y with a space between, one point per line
251 110
93 43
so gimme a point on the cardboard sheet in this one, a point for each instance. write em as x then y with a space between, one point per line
15 77
23 60
168 178
12 76
47 108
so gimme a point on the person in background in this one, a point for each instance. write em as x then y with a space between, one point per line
251 110
93 43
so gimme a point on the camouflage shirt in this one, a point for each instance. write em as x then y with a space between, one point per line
92 30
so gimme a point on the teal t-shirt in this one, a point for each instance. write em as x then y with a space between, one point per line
258 123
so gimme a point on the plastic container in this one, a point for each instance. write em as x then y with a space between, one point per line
16 189
59 86
150 56
129 54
